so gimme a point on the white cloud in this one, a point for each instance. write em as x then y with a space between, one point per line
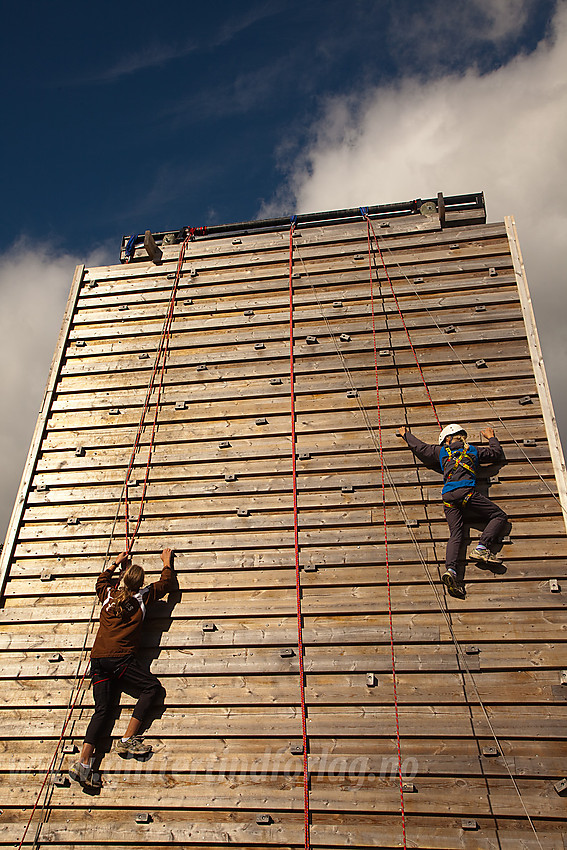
504 132
34 285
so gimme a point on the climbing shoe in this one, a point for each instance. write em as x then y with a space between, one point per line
484 556
454 587
134 746
85 776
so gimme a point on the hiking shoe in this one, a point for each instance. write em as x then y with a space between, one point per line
484 556
83 774
454 587
134 746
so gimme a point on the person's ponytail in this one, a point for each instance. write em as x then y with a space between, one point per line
131 582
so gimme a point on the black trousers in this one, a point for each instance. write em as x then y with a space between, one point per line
476 506
110 676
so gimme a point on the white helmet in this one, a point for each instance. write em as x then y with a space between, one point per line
450 429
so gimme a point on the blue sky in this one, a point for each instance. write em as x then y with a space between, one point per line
124 116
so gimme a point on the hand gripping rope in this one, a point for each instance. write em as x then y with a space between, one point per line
386 554
296 546
156 383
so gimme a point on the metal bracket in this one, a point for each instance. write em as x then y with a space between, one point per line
296 749
263 819
450 329
69 749
209 627
73 520
311 340
55 658
181 405
412 523
114 411
418 280
242 511
359 257
494 479
202 367
123 307
230 476
287 653
480 364
384 352
480 308
144 356
187 302
470 649
561 787
304 456
79 451
454 247
554 585
526 399
171 276
275 382
45 575
384 224
249 312
337 304
258 346
61 780
42 488
352 394
409 788
490 752
347 488
310 568
344 338
80 343
370 680
492 272
529 442
469 824
224 444
237 241
194 272
143 817
261 420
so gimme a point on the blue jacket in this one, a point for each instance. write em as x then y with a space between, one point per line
459 469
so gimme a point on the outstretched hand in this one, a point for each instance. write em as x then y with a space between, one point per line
488 433
167 557
402 431
121 560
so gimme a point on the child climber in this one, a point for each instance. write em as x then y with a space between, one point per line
114 665
459 461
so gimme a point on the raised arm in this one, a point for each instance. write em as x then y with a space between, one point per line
493 451
166 581
427 453
106 578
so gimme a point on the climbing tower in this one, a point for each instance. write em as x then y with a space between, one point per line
234 392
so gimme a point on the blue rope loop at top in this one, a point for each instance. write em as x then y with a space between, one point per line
364 211
293 220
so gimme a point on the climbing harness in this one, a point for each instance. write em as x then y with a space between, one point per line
300 648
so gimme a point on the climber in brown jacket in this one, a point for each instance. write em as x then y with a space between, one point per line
114 665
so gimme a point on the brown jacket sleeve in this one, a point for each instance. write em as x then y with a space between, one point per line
105 580
160 588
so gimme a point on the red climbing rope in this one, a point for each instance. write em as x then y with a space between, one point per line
386 554
370 227
52 762
296 545
158 368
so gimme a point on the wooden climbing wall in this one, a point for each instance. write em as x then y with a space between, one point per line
220 493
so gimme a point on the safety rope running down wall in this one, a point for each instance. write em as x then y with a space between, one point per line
386 554
159 366
296 547
370 227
